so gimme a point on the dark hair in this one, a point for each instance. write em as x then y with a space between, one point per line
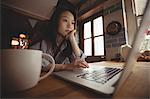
61 7
47 30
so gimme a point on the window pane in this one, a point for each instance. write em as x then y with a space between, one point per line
99 45
88 47
87 30
98 26
145 45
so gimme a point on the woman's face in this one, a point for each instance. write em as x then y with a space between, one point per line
66 23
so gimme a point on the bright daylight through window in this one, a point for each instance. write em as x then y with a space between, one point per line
93 37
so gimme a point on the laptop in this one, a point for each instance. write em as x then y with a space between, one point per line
100 77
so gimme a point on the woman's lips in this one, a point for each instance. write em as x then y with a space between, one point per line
68 31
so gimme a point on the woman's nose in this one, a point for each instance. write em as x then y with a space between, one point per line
69 25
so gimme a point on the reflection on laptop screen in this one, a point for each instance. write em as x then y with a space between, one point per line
138 38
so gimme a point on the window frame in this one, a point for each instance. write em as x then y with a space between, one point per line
81 35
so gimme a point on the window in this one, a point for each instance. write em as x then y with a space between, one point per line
94 37
146 43
98 36
87 39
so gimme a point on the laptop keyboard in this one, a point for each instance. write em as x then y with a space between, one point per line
100 76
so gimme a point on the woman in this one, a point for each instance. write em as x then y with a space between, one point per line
60 42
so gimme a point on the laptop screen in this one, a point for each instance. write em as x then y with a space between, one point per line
134 52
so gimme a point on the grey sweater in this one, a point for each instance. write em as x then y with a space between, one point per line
61 55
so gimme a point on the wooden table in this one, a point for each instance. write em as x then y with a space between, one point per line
136 87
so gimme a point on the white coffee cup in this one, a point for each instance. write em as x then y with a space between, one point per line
21 68
124 51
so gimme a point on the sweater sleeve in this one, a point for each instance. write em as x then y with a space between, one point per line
82 56
36 46
41 46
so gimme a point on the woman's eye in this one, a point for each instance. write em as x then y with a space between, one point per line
65 20
73 22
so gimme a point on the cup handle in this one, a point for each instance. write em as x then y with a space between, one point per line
121 51
51 69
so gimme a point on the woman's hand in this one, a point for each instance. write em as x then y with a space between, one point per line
70 35
77 63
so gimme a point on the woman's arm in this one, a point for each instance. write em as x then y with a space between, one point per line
74 45
79 59
75 64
